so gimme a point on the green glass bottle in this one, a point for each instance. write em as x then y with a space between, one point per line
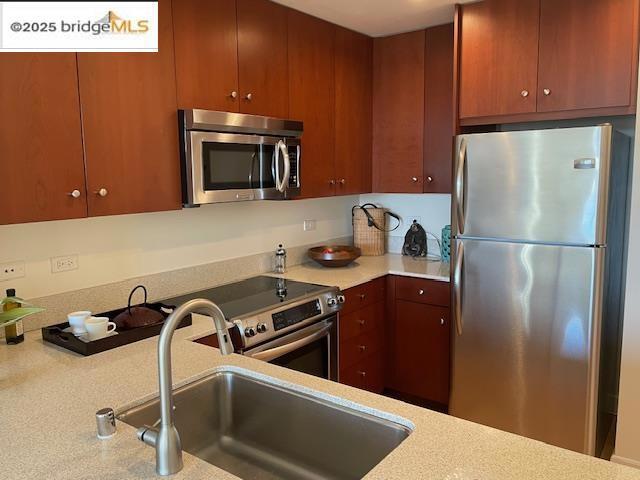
14 333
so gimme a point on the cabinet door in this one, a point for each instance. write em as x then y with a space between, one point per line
421 351
353 70
438 109
130 123
262 58
311 99
499 57
398 113
588 53
206 46
40 138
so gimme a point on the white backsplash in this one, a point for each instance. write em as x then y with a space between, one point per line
432 211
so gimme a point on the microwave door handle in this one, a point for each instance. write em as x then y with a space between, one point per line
281 148
272 353
275 167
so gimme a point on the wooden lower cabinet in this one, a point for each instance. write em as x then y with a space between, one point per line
367 374
420 358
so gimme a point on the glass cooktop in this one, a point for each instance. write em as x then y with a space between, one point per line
247 296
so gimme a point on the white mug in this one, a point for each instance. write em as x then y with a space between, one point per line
76 322
98 327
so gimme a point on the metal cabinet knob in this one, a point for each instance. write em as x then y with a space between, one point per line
524 93
361 322
429 179
233 94
74 194
546 91
414 179
420 292
248 97
362 296
102 192
332 182
362 348
442 321
342 181
362 374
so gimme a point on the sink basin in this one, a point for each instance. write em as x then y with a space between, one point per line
256 429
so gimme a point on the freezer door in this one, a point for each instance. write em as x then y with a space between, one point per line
525 343
547 186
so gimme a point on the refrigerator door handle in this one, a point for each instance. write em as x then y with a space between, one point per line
459 186
457 288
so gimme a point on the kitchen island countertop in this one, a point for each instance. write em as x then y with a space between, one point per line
50 396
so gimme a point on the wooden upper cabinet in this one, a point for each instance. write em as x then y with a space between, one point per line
130 125
398 113
353 116
40 138
498 57
262 58
438 109
311 99
206 54
588 54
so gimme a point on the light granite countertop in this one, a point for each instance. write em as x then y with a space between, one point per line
365 269
49 397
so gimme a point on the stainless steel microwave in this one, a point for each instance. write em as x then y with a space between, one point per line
230 157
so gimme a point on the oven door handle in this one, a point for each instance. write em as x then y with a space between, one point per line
272 353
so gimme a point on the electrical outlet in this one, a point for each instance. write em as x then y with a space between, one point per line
309 225
12 270
64 264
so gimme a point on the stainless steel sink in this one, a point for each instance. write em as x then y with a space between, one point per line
258 430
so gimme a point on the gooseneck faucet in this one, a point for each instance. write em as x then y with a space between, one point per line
165 439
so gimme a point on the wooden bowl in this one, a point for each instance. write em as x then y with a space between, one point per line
334 255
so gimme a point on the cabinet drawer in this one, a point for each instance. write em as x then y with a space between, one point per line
421 290
361 321
357 348
363 295
367 374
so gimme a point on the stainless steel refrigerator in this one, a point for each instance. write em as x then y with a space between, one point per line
539 222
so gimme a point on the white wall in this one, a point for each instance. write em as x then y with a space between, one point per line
432 211
627 449
116 248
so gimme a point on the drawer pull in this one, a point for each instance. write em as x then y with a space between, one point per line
361 322
420 292
362 348
442 321
362 374
362 296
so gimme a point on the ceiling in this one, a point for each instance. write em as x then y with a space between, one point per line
379 17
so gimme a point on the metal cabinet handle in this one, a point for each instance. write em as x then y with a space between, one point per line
420 292
332 182
546 92
248 97
524 93
74 194
442 321
362 296
342 181
233 94
362 348
414 179
429 179
361 322
362 374
103 192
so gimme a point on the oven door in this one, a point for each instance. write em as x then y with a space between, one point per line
226 167
311 350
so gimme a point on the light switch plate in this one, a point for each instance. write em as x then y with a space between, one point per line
64 264
9 271
309 225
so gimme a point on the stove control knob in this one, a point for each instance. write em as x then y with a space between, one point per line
249 332
261 328
340 298
332 302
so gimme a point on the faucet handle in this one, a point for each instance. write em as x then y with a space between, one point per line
148 435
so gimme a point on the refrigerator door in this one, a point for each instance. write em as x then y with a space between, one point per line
547 186
526 343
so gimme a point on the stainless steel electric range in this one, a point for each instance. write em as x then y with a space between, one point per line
288 323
